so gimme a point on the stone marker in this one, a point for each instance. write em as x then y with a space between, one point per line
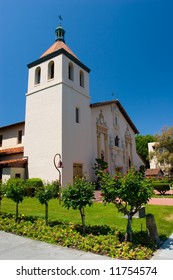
152 229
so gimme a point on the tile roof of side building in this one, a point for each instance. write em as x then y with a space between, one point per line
9 151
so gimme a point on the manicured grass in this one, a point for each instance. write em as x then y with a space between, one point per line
98 214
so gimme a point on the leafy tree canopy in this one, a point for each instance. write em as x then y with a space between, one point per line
164 148
142 146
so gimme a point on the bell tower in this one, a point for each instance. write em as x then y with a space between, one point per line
58 113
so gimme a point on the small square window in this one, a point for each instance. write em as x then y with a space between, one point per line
19 138
77 115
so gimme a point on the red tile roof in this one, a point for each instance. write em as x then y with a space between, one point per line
153 172
57 46
13 162
8 151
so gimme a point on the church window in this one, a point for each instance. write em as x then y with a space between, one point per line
117 141
77 115
19 138
51 70
70 71
81 78
37 75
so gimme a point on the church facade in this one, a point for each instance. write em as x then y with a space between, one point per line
60 121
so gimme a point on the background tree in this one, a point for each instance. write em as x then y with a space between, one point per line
15 190
142 146
44 194
164 149
78 196
129 193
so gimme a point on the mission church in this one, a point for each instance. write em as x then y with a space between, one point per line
59 120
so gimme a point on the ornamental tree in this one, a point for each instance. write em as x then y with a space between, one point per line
78 196
128 193
44 194
164 149
15 190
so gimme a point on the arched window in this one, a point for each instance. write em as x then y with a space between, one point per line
51 70
37 75
117 141
70 71
81 78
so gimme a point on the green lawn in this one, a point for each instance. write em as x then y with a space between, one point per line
98 214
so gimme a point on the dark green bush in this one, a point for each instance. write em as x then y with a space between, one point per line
32 185
161 187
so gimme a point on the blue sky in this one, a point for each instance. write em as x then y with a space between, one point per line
127 44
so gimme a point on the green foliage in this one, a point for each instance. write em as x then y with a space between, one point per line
46 193
161 187
100 165
129 193
2 192
78 196
32 185
15 190
142 146
107 241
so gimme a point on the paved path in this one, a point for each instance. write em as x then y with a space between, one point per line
14 247
154 201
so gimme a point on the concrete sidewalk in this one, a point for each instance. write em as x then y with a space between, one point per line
14 247
165 252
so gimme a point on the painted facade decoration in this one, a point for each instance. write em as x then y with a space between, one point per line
60 119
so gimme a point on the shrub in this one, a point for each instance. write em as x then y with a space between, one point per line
32 185
15 190
2 193
78 196
161 187
48 192
129 193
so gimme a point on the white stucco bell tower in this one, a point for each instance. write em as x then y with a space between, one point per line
58 115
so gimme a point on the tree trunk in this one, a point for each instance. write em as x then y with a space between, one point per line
128 235
46 213
83 219
17 211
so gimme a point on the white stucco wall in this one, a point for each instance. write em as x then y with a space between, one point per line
43 122
153 162
10 172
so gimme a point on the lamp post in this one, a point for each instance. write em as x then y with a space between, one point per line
58 166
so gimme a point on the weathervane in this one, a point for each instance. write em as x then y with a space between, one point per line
60 18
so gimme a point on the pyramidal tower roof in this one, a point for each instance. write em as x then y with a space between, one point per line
59 43
59 47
